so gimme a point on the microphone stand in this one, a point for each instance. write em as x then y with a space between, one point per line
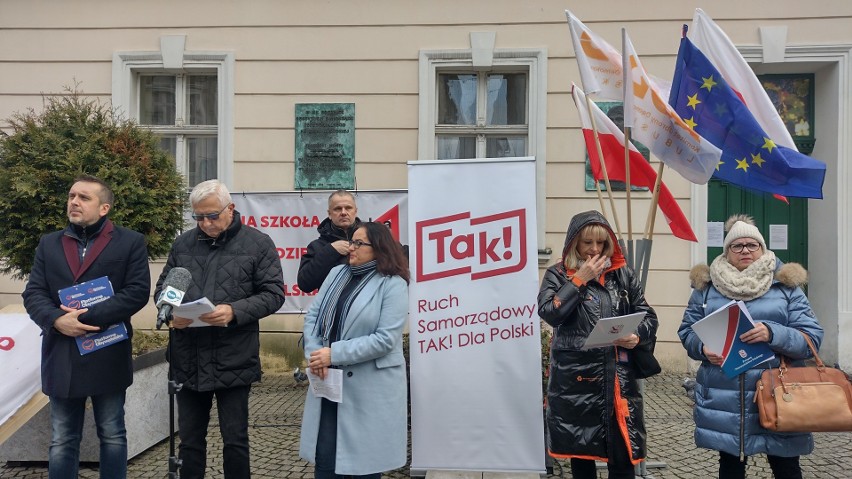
174 387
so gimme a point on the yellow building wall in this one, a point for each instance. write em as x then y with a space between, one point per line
366 52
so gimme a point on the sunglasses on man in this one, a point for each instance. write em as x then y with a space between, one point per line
209 216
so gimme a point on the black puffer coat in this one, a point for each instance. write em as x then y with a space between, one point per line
321 257
586 387
240 268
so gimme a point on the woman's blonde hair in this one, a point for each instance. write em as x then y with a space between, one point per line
597 231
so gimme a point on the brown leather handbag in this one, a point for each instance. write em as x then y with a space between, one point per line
804 399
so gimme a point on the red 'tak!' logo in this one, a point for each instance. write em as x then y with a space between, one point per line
482 247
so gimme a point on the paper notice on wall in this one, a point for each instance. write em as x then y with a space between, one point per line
778 237
715 234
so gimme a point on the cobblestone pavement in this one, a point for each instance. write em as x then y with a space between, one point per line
276 411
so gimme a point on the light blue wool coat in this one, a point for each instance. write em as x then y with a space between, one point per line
372 420
723 405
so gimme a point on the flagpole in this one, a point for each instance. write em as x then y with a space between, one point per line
652 212
648 241
600 196
627 187
628 123
603 167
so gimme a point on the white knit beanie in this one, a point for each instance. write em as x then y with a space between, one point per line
742 226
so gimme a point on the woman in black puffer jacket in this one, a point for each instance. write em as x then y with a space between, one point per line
594 407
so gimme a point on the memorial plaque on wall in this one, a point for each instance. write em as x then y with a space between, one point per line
325 146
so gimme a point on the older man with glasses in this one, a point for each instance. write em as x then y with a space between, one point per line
237 268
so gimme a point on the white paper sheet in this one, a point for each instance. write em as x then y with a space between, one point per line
609 329
331 388
713 328
193 310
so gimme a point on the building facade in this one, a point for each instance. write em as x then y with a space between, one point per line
219 81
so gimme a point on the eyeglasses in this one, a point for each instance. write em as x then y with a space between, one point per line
209 216
358 243
738 247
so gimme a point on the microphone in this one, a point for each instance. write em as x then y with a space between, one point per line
174 287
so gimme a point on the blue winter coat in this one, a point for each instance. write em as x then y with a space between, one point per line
372 420
726 416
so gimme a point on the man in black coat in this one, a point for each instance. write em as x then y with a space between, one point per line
90 247
237 268
332 246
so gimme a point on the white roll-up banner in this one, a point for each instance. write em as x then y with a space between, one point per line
475 344
20 362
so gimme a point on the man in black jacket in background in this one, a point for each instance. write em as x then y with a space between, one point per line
332 247
237 268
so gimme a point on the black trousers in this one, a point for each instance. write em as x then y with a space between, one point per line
618 463
730 467
193 419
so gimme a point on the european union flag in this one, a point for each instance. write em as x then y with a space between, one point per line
750 159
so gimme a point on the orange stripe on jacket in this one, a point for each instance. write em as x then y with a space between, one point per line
622 412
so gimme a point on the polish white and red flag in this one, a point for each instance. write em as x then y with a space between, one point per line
641 173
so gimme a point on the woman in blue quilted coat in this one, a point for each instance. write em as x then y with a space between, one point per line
726 416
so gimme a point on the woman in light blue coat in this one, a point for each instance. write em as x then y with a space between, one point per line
726 416
355 324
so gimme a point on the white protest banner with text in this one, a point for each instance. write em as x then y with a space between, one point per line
291 220
475 345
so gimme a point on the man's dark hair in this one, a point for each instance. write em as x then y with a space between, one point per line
390 260
106 195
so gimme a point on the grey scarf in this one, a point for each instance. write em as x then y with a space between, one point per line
328 304
750 283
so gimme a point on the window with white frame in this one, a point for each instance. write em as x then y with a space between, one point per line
470 108
481 114
182 111
186 99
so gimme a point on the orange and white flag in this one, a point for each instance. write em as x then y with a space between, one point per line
655 123
599 63
663 131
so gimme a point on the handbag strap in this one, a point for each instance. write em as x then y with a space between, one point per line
783 367
817 359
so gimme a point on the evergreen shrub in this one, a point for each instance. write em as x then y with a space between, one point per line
76 135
